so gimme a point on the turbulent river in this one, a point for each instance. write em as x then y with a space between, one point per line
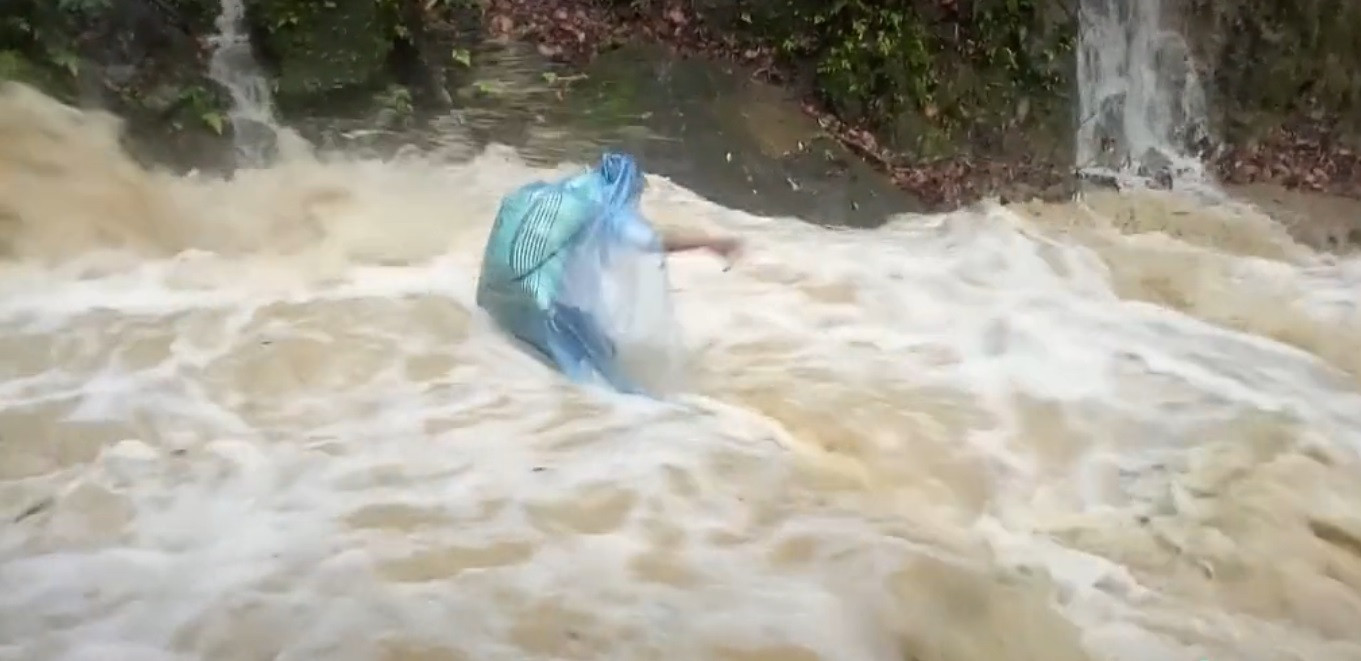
261 418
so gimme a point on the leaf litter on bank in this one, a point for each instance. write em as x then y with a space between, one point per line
574 31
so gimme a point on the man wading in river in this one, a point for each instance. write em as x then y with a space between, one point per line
569 263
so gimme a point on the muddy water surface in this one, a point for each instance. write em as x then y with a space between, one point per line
262 419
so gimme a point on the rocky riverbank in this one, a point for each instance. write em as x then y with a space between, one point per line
940 176
144 60
1008 139
952 100
149 62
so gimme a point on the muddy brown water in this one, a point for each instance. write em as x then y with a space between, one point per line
261 418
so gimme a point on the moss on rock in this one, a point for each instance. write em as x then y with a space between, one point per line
970 84
336 54
16 65
1271 63
319 47
931 79
140 59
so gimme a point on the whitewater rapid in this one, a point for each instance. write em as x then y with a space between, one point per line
261 418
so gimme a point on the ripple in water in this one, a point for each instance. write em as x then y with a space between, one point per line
262 418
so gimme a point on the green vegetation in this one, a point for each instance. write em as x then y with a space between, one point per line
930 77
922 74
147 60
320 46
73 49
40 38
927 78
343 52
1271 60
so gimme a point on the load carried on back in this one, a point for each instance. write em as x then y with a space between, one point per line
573 270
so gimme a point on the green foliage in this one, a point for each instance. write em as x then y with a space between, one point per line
82 7
1012 37
396 100
1271 59
321 46
946 64
873 61
198 104
47 33
14 66
199 16
41 35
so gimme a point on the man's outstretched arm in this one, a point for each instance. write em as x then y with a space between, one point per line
726 247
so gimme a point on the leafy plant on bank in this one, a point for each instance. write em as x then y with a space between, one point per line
42 32
46 38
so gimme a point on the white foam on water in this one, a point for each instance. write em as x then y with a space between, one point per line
281 429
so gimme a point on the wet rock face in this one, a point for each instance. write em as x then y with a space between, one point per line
709 127
955 100
1284 88
991 77
342 52
137 46
932 79
147 61
979 90
1271 61
319 47
93 42
141 59
991 80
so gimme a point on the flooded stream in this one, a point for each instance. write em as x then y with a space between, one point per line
262 418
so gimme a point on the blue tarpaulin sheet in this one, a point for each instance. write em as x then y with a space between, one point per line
572 269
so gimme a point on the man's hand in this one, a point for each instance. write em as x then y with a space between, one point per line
727 247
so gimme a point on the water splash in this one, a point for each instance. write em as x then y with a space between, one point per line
261 417
1142 106
254 128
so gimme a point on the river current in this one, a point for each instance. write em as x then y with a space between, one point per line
261 418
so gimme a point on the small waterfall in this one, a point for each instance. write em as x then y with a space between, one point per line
255 131
1142 107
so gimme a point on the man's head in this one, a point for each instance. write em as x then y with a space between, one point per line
620 172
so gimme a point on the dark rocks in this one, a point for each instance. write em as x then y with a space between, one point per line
321 47
575 32
335 58
147 61
1285 90
139 59
995 127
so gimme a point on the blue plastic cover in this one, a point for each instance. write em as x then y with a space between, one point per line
573 270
